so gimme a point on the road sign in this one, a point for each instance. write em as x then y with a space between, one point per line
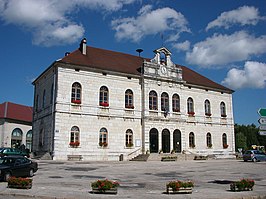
262 132
262 112
263 127
262 120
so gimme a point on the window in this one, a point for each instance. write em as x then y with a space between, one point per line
43 99
209 140
176 103
16 138
207 106
153 101
129 138
191 140
164 102
74 137
103 138
224 140
76 93
104 96
190 106
29 140
223 110
41 137
129 99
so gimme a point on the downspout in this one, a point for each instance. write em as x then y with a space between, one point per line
53 114
142 109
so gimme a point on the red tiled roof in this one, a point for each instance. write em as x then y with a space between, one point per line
130 64
13 111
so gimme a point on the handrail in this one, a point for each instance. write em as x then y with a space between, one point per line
134 151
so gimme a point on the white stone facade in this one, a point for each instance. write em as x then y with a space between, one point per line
54 119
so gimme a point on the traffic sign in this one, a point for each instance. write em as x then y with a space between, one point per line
262 120
262 132
263 127
262 112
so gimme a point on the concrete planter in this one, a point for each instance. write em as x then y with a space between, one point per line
100 191
181 190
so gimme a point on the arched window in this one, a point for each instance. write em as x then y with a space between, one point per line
153 101
223 109
224 140
16 138
76 93
190 106
43 98
103 138
129 99
191 140
29 140
209 140
207 106
74 137
104 96
129 138
164 102
176 103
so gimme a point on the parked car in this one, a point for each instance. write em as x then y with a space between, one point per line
17 166
254 155
12 151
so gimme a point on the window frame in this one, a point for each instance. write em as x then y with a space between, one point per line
129 138
190 106
191 140
76 93
103 137
176 103
129 97
164 101
104 96
207 107
223 109
209 140
153 100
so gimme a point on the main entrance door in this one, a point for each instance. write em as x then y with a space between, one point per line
177 141
153 140
166 141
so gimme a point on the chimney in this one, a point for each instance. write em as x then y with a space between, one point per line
67 53
83 45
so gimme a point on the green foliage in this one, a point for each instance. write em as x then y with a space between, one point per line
247 135
23 182
176 185
103 185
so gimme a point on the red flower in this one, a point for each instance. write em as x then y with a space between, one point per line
76 101
105 104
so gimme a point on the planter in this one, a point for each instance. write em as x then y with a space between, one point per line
181 190
100 191
170 158
242 185
19 183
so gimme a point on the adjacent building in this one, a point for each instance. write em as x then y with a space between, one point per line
97 104
15 125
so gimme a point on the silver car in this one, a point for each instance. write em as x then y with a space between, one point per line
254 156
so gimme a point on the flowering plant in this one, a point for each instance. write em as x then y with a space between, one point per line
223 115
176 110
103 185
208 114
177 184
129 106
191 113
244 184
74 144
77 101
105 104
225 146
21 182
129 144
104 144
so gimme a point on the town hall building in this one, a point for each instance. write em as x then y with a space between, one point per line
97 104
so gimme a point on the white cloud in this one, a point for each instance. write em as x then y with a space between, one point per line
246 15
253 75
49 20
150 22
184 46
223 49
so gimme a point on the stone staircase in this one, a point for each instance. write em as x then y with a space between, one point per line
180 157
42 156
141 157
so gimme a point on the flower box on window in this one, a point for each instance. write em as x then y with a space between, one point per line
129 106
191 113
103 144
208 114
176 110
104 104
209 146
225 146
192 146
223 115
77 101
74 144
129 145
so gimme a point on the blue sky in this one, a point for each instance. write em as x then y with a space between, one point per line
223 40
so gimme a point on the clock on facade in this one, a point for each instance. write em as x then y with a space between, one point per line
163 69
